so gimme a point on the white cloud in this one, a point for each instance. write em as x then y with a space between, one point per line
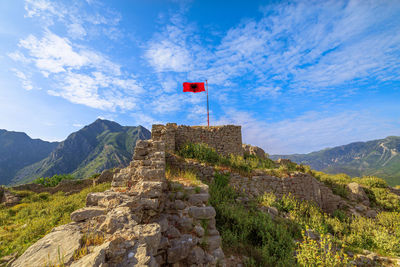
76 30
169 51
145 120
53 54
267 91
26 82
83 76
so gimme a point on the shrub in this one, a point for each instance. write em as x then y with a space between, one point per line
337 182
243 165
385 199
371 182
322 253
202 152
54 180
247 229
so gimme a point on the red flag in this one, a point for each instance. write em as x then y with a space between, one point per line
193 87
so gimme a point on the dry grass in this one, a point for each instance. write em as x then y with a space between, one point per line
186 178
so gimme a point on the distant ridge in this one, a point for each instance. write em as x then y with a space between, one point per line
101 145
18 150
377 157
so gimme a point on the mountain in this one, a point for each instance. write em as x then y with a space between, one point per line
18 150
101 145
378 157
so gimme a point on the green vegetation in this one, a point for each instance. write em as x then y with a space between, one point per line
249 231
322 253
381 234
244 165
36 215
54 180
337 182
184 177
376 188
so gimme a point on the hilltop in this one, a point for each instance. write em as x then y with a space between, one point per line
379 158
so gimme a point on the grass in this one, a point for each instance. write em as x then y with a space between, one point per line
244 165
381 234
36 215
184 177
246 230
88 239
54 180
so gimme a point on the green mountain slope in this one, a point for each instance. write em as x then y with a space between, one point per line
378 157
101 145
18 150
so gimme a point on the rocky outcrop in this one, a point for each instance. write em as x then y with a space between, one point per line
357 193
253 150
56 248
142 221
7 198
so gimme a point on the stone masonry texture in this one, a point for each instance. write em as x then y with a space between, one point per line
226 139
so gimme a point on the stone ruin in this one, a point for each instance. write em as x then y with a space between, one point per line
145 220
226 139
141 221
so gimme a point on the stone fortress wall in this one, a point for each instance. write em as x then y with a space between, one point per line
226 139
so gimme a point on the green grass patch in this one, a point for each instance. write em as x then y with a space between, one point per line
54 180
36 215
243 165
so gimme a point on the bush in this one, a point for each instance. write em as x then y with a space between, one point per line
322 253
337 182
248 230
243 165
202 152
371 182
54 180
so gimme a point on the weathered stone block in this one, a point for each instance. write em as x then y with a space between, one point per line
87 213
202 212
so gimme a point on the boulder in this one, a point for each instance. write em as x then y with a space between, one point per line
60 243
180 248
196 256
105 177
371 213
149 234
198 199
357 193
253 150
8 198
213 242
202 212
87 213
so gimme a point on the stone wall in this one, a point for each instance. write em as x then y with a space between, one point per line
225 139
302 186
143 219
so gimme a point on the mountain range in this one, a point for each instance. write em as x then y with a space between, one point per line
374 158
101 145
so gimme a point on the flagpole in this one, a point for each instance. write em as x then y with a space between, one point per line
208 112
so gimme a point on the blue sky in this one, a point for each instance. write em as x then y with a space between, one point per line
298 76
